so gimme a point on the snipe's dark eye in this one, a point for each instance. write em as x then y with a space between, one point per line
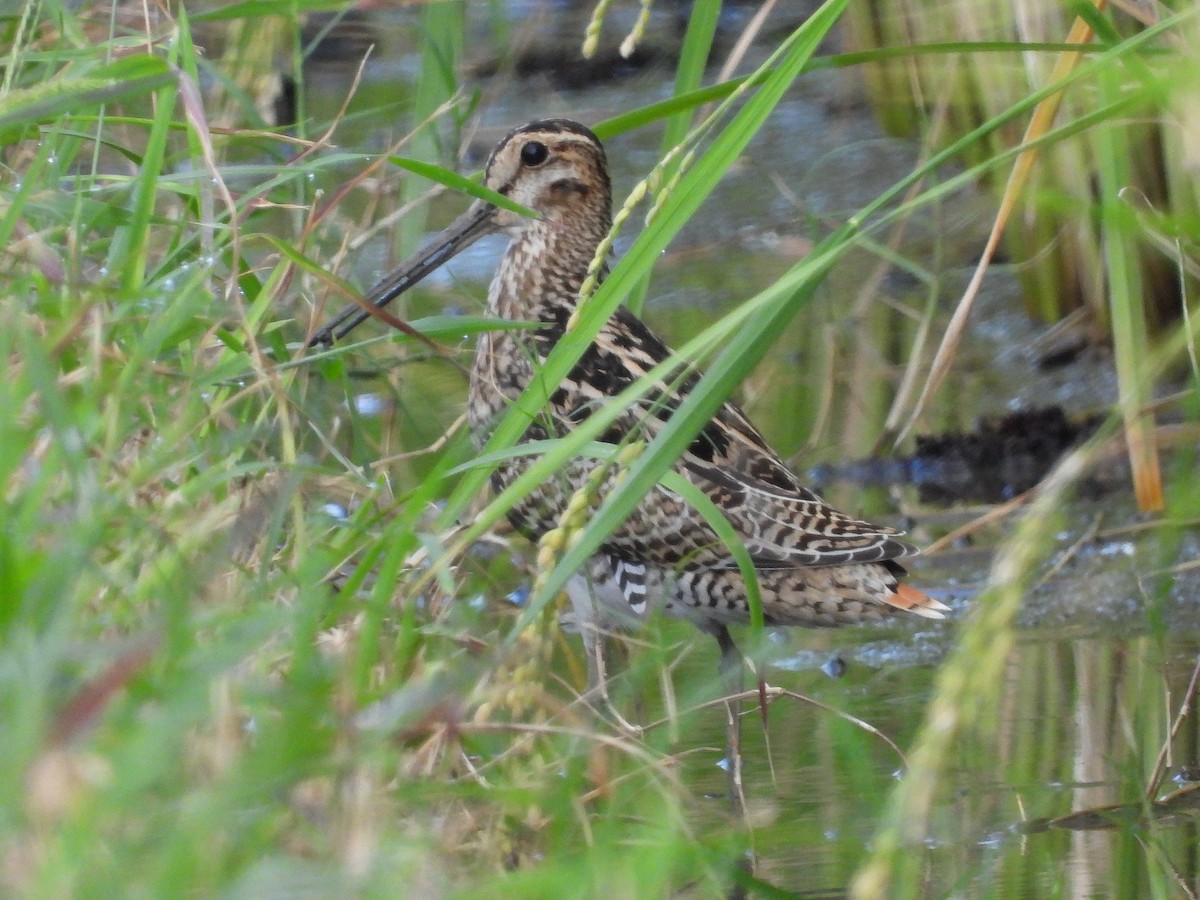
534 153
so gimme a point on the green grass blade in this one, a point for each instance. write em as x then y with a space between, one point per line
693 60
122 80
462 184
1128 318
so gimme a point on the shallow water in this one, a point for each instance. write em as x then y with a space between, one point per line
1108 637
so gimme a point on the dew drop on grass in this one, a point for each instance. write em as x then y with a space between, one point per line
368 405
992 841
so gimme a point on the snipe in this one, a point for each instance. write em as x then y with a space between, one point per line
816 566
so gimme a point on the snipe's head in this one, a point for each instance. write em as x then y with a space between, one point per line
555 167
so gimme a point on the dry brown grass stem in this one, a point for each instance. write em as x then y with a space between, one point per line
1070 552
1185 705
769 693
386 461
990 517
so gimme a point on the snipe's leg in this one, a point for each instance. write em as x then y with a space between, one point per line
593 645
731 668
586 618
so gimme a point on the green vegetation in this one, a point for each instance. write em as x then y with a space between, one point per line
245 641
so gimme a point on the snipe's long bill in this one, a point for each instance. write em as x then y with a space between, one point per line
815 566
460 234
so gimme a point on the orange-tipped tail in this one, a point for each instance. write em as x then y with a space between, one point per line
909 599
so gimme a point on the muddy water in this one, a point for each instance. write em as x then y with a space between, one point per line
1108 636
